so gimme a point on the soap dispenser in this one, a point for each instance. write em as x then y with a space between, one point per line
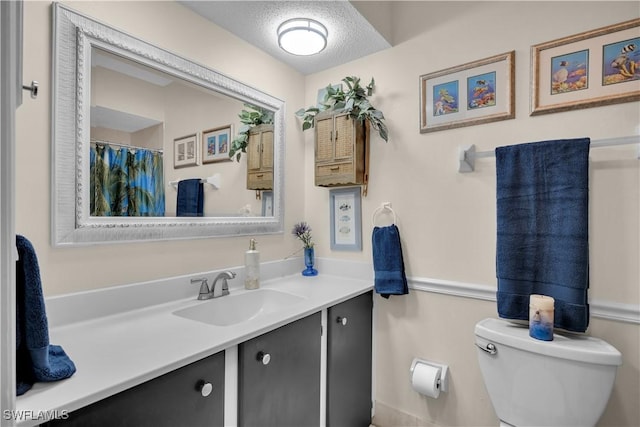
252 266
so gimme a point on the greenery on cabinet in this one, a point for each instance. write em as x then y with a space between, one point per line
353 101
250 117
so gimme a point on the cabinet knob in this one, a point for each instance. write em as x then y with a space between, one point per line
265 358
342 320
205 388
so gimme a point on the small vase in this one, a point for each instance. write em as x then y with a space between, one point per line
308 262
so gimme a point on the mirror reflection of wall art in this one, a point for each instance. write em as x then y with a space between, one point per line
185 151
215 144
590 69
346 219
469 94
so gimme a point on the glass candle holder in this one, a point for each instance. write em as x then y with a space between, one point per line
541 317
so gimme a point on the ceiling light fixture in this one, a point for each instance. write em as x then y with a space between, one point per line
302 36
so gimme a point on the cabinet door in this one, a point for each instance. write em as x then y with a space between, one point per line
324 139
174 399
279 378
253 151
344 137
267 150
349 362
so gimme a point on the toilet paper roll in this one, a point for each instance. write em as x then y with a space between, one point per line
426 380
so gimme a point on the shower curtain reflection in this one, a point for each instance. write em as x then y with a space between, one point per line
126 181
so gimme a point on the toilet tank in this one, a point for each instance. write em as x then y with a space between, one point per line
564 382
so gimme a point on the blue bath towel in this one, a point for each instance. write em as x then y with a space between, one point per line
388 264
542 225
36 359
190 198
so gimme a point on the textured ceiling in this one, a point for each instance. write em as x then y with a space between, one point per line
351 36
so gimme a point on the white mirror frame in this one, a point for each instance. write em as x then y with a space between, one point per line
74 37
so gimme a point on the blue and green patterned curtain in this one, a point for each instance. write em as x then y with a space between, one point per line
126 182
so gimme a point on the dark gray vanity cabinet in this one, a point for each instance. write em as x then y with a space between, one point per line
279 376
349 362
190 396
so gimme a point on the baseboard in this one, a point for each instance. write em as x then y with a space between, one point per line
387 416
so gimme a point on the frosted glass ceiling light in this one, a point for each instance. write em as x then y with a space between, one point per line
302 36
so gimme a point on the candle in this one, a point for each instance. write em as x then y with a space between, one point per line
541 317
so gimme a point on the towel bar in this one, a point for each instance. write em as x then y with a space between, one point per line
467 155
214 180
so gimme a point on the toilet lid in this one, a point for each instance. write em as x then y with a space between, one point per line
576 347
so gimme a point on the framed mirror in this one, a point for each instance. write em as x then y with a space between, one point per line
112 91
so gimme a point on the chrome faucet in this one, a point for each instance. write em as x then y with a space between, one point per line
205 293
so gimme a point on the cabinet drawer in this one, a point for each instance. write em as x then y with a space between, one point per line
260 181
338 174
334 169
335 174
173 399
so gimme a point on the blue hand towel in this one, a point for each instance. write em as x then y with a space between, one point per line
190 198
388 264
36 359
542 229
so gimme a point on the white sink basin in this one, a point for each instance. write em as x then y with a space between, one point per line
237 308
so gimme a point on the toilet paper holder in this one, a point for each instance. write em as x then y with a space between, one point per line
443 382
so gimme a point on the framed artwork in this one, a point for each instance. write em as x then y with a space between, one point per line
215 144
470 94
346 219
590 69
267 203
185 151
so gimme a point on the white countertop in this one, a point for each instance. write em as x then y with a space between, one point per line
117 351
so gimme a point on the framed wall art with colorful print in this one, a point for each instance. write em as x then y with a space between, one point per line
590 69
469 94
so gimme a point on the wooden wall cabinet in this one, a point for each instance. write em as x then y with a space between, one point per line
260 158
341 150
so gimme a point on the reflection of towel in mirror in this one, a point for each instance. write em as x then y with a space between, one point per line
36 359
388 264
542 229
190 198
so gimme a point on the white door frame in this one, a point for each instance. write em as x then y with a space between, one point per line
10 99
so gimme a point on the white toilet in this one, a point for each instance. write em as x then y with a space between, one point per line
564 382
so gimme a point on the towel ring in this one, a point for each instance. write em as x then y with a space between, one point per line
381 209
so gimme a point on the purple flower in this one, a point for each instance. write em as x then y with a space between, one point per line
303 232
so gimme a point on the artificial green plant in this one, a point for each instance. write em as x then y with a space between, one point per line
250 117
354 101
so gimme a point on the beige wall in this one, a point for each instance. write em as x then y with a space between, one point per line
447 220
120 92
